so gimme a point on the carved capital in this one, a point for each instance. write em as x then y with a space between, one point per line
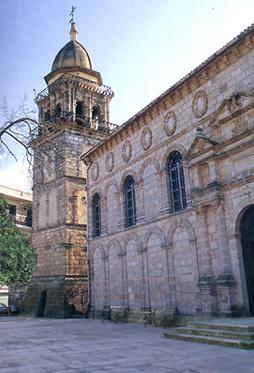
167 246
104 256
142 248
121 253
202 209
206 281
225 280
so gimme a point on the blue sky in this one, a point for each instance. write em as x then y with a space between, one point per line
140 47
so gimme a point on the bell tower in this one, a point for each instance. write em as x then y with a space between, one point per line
73 117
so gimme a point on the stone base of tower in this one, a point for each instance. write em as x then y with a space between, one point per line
58 296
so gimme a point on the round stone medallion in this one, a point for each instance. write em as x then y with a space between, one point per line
200 103
109 162
126 151
169 123
146 138
95 171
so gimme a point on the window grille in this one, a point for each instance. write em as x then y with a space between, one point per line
176 182
96 215
129 202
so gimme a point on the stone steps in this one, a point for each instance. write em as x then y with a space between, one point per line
231 333
216 333
223 325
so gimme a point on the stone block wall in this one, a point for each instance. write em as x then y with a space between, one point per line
190 259
60 227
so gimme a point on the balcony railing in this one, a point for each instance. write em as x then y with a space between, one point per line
68 119
23 220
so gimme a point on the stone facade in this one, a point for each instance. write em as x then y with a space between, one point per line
73 117
192 259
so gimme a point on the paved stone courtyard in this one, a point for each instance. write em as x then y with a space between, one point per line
30 345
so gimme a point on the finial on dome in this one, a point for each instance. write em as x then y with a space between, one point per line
73 31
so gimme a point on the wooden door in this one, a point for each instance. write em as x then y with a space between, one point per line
247 240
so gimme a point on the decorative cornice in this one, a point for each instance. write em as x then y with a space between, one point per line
78 82
207 70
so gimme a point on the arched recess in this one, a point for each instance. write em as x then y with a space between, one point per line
129 172
134 272
150 189
244 229
156 269
99 280
182 238
98 191
116 274
156 231
173 148
112 206
96 112
150 161
181 223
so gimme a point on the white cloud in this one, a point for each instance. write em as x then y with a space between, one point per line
16 176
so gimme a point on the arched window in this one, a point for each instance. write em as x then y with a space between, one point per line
176 182
79 109
96 215
95 113
58 110
80 113
129 202
47 115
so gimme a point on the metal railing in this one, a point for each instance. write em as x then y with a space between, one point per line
23 220
69 119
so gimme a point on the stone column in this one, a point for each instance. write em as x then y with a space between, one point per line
75 209
163 189
171 301
121 215
119 211
47 211
206 281
212 171
106 279
145 293
140 206
125 300
91 290
187 181
104 216
225 280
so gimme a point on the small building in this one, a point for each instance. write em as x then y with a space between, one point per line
19 207
171 197
19 204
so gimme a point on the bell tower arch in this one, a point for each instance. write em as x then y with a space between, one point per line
69 125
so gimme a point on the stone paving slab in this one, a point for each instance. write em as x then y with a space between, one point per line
29 345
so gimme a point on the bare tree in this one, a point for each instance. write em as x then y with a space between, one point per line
20 126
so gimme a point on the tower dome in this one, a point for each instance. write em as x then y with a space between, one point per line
72 55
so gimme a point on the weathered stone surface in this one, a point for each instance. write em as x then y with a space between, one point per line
79 345
190 260
73 117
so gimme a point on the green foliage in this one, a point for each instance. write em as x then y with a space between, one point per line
17 256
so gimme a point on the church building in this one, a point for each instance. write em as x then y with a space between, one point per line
170 196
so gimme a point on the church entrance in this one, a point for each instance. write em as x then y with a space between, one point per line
247 241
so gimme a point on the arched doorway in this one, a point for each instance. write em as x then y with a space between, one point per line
247 241
41 304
